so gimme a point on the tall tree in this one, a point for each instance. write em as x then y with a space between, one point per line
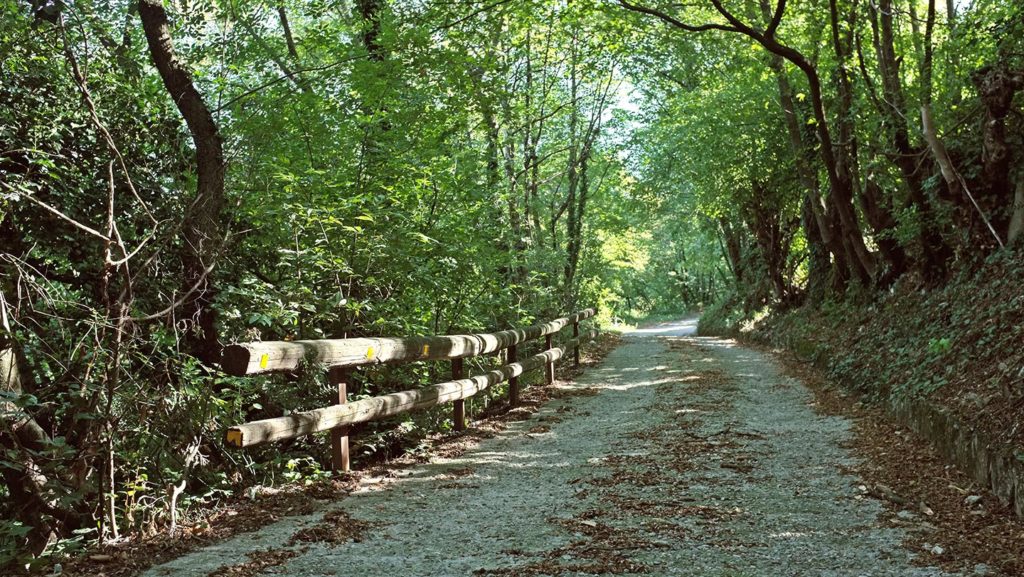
837 165
203 232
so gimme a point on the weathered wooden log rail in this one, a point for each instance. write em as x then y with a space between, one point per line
341 356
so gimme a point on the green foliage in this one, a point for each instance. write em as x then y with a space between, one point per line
438 168
723 318
305 470
952 345
418 186
937 347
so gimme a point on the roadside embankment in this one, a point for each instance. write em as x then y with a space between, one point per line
946 362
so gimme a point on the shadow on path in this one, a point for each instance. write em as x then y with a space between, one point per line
678 455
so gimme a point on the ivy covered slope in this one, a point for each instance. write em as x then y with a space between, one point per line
958 345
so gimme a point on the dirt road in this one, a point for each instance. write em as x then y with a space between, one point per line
678 455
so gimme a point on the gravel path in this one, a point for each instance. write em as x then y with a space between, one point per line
676 456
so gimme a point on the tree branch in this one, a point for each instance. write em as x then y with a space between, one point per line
669 19
58 213
780 8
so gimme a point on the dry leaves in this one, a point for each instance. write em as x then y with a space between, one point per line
905 472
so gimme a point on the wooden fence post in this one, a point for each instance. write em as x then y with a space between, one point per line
340 376
576 349
343 355
549 368
512 355
459 408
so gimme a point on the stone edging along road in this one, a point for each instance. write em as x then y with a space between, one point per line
677 455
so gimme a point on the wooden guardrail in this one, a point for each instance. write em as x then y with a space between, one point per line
341 356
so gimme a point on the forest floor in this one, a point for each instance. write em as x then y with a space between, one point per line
677 455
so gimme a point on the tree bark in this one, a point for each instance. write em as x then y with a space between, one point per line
732 241
1017 218
845 150
818 254
20 438
996 87
575 173
370 11
202 231
372 173
877 207
287 29
860 262
773 233
821 238
935 253
575 230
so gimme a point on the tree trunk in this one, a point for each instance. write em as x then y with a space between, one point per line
859 260
575 231
840 183
878 211
996 87
370 12
287 30
202 231
733 249
935 253
818 264
845 154
764 220
1017 218
953 179
821 238
573 175
372 176
858 257
20 438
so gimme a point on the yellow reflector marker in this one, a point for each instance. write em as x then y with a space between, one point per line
263 360
426 350
369 353
235 437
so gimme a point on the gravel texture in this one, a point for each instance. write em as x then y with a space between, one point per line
676 456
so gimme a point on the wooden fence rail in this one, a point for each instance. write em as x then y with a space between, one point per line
340 356
286 356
